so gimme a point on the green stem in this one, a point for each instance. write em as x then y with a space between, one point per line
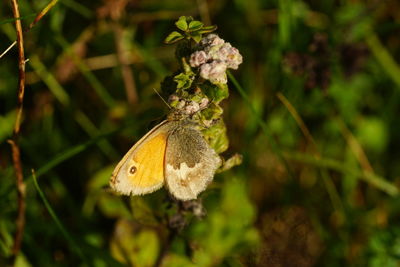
384 57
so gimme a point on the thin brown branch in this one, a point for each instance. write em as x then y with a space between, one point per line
20 221
355 146
300 123
38 17
41 14
21 66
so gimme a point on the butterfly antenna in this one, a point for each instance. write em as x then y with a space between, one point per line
166 103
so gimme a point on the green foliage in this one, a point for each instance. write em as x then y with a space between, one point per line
384 248
7 125
183 80
221 238
216 94
372 134
191 30
128 247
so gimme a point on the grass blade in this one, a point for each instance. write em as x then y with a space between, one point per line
55 218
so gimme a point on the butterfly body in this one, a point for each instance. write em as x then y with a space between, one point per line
174 154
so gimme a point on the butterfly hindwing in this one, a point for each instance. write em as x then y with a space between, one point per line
190 163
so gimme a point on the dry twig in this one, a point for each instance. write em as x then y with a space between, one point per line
20 221
38 17
16 155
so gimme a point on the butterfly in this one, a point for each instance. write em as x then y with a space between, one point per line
175 154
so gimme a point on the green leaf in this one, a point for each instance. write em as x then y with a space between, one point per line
184 80
196 37
207 29
181 23
216 93
216 137
173 37
212 112
195 25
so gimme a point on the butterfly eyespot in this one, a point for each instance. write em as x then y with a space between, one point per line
132 170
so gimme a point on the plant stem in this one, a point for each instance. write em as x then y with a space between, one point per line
16 155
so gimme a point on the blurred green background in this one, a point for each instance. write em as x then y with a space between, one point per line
317 125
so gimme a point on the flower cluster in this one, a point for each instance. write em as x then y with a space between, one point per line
214 57
188 107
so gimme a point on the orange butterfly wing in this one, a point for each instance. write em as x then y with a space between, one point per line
141 171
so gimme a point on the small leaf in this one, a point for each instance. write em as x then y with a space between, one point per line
216 137
233 161
215 92
183 80
196 37
195 25
212 112
186 67
207 29
181 23
173 37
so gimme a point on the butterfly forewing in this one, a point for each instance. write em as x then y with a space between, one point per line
141 171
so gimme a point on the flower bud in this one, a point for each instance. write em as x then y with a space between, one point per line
197 58
214 71
173 98
211 40
205 70
234 58
191 107
214 57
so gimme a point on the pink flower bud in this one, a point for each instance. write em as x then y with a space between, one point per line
214 71
205 70
234 58
223 53
214 58
173 98
197 58
212 40
191 108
